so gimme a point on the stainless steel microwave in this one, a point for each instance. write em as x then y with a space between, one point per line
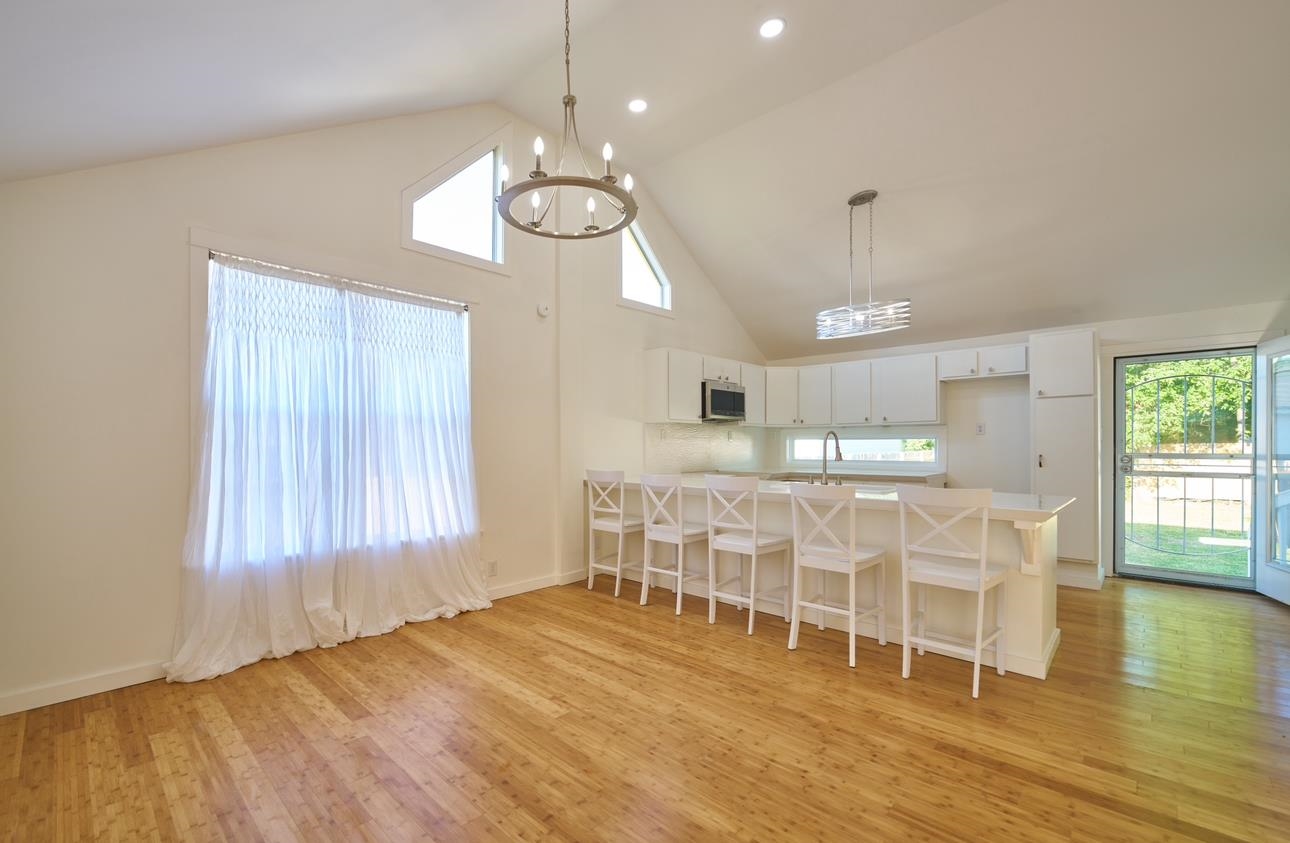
722 401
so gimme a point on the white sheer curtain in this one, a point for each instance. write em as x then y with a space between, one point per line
335 495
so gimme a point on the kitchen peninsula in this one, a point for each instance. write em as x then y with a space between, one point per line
1023 536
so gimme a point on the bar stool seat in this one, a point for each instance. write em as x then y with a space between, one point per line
630 524
744 542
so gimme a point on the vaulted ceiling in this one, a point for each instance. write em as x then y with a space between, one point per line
1039 162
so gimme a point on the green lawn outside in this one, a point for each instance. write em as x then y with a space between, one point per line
1140 548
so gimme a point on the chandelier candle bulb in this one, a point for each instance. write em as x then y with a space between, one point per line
538 148
628 184
536 202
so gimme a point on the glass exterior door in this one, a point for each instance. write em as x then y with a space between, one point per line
1272 469
1185 467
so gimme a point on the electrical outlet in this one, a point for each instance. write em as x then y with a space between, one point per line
980 429
492 568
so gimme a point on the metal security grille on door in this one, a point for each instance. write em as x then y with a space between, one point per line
1185 466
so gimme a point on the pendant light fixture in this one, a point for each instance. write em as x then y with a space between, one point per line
616 206
872 317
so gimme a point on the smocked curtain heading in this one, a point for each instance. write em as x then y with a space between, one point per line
335 494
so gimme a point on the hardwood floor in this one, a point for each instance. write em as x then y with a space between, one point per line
568 715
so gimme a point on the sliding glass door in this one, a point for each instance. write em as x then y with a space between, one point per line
1272 471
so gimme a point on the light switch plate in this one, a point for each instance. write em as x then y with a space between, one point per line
980 429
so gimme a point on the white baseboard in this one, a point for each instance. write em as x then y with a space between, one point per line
56 692
1077 574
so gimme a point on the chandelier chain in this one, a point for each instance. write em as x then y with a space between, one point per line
568 78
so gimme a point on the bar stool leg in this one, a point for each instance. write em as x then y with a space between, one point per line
905 622
591 557
618 580
922 614
851 617
796 624
752 592
880 592
680 575
712 584
1001 620
823 586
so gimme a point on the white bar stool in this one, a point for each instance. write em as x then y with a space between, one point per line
940 558
824 536
729 529
662 506
605 514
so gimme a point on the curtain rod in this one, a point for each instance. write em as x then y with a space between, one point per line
343 282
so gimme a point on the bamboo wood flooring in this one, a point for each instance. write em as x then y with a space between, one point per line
568 715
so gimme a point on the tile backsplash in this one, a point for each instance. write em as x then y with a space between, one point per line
681 448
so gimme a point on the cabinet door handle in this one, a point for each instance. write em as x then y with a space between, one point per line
991 368
971 371
1041 460
884 418
1039 392
866 418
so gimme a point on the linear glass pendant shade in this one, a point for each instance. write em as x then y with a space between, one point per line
856 320
871 317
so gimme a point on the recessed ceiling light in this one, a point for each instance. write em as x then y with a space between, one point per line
772 28
637 106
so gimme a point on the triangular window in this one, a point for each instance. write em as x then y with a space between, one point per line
459 214
643 279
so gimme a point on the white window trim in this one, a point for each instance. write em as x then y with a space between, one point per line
937 432
635 230
499 140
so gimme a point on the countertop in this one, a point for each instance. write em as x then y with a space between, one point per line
1004 506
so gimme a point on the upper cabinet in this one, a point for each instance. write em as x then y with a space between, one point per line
905 390
1003 360
799 395
753 379
957 364
815 394
851 403
1062 364
981 363
721 369
781 395
673 385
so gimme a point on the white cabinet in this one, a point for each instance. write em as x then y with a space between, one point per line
781 396
815 394
1062 364
957 364
673 385
799 396
981 362
1002 360
851 392
720 369
753 379
905 390
1064 462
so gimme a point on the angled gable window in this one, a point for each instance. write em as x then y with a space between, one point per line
644 281
451 213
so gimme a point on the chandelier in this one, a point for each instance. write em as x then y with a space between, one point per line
872 317
619 208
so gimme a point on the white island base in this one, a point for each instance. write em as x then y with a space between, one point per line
1023 536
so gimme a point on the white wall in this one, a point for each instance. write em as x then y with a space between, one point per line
602 346
999 458
95 370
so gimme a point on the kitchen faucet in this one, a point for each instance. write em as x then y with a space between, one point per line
837 455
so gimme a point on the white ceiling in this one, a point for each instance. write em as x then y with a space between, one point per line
1040 162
